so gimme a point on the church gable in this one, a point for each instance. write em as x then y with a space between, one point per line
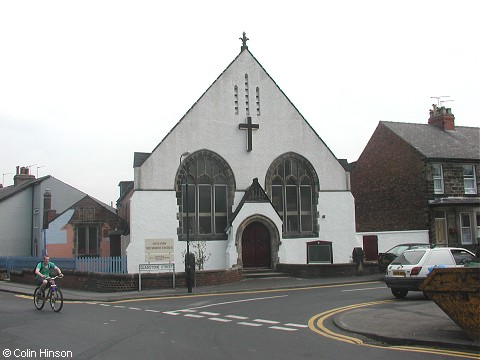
246 118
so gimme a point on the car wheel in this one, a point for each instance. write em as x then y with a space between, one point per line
399 293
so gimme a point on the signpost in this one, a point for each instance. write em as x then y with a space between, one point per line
156 268
158 251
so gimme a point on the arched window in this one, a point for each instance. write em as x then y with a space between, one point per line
210 196
292 185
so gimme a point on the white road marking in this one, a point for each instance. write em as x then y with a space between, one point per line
237 317
134 308
194 315
297 325
209 313
154 311
248 324
220 319
171 313
104 305
266 321
120 306
282 328
233 302
375 288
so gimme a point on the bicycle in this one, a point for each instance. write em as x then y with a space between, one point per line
54 296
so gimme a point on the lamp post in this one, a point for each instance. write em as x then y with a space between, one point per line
188 269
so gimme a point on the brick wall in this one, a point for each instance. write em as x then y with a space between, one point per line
326 270
389 185
79 280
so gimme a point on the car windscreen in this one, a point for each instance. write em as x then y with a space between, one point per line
409 258
397 250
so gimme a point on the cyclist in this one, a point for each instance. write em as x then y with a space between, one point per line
43 271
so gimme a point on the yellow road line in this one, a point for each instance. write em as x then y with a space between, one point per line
316 324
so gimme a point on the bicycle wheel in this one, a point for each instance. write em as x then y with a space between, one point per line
56 300
39 298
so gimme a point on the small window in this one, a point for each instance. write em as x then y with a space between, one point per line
466 229
469 181
438 179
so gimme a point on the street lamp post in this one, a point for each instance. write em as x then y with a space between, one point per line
188 269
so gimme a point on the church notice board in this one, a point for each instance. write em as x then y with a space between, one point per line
159 250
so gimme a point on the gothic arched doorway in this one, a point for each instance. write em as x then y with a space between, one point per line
256 248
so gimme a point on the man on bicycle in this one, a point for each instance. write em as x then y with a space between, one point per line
43 271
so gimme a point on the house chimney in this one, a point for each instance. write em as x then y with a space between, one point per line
442 117
22 175
48 213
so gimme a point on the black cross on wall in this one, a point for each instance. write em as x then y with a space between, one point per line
249 127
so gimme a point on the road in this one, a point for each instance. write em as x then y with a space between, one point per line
280 324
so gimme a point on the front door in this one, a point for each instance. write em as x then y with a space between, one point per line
256 246
370 247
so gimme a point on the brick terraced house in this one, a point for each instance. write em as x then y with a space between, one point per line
418 183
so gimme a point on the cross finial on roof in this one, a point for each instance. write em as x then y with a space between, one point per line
244 41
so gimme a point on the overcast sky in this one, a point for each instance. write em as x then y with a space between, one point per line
85 84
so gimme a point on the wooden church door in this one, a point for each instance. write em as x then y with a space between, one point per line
256 246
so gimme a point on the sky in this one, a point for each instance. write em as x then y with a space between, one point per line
85 84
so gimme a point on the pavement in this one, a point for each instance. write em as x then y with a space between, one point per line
410 321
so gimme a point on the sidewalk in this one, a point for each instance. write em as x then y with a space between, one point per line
413 321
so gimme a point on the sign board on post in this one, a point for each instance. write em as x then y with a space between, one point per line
157 250
157 268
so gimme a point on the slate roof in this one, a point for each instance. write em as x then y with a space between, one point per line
435 143
11 190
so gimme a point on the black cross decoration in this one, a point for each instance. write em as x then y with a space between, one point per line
249 127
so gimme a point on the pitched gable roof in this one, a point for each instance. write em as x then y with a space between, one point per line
9 191
140 158
254 194
435 143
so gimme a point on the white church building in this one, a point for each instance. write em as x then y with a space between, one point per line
263 188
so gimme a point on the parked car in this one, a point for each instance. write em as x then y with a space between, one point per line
384 259
408 271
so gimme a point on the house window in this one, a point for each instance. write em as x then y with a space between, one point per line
466 229
292 195
207 198
438 179
469 181
87 240
477 216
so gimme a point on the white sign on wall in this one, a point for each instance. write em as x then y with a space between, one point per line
159 250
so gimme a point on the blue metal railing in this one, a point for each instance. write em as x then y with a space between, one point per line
111 265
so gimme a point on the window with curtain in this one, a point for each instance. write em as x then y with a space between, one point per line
469 180
437 178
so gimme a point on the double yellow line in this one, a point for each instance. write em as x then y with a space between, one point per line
316 324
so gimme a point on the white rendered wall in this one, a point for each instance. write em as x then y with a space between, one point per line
250 210
16 224
213 125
